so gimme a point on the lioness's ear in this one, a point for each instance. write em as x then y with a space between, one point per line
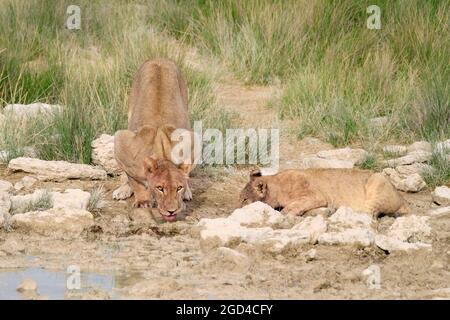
260 188
186 168
255 173
150 165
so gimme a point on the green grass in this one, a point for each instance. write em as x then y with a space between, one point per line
336 73
440 174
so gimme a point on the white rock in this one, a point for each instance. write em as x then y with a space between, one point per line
2 220
103 154
254 224
439 212
443 146
416 156
395 149
31 110
409 183
441 195
5 206
71 199
316 162
53 222
355 156
26 182
22 203
393 244
27 285
420 146
410 229
5 186
57 170
419 168
346 218
257 214
360 236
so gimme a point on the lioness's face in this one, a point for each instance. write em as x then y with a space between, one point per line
254 190
167 184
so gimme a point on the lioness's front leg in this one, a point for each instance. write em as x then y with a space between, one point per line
142 197
124 191
300 206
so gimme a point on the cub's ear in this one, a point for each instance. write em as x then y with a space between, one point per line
260 188
186 168
150 165
255 173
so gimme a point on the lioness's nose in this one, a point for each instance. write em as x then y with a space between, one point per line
171 211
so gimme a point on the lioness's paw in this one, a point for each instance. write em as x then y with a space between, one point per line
122 193
142 204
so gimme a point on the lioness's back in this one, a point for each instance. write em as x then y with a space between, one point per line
158 96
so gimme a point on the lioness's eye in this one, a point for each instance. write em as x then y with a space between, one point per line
179 188
160 188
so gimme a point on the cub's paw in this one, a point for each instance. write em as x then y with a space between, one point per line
142 204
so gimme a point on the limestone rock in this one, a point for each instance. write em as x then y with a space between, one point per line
419 168
393 244
360 236
411 228
56 170
408 183
412 157
103 154
26 182
256 224
31 110
346 218
5 186
441 195
53 222
71 199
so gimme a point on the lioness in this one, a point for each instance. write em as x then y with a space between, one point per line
298 191
158 104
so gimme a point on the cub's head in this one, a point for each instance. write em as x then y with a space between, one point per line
167 183
254 190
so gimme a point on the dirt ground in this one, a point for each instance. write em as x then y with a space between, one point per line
147 258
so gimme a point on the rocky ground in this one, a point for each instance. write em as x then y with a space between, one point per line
56 216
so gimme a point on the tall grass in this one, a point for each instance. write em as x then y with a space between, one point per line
337 73
88 71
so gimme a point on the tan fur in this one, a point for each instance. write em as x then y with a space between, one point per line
158 104
298 191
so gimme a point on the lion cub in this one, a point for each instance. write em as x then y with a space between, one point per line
157 106
298 191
